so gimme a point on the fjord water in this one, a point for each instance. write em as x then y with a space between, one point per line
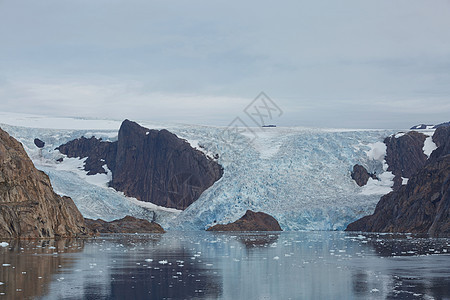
207 265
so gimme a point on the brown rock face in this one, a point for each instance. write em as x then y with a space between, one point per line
151 165
423 205
126 225
405 156
29 208
361 176
251 221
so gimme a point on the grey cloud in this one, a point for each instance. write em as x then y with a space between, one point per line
331 58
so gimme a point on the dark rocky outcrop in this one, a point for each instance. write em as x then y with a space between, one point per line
404 155
442 125
360 175
127 224
441 139
421 126
39 143
151 165
29 208
251 221
423 205
424 126
98 153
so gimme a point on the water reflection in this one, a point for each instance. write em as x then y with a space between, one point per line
210 265
139 267
27 267
252 240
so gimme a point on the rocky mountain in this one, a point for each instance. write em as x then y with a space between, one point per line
127 224
442 125
425 126
251 221
29 208
404 155
423 204
151 165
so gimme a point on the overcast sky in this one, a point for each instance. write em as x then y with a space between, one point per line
355 64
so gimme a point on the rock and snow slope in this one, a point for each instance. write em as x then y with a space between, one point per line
301 176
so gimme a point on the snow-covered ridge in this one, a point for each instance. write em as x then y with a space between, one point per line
301 176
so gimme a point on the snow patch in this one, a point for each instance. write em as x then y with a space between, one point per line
4 244
39 121
377 151
201 147
379 187
405 181
429 146
150 205
76 165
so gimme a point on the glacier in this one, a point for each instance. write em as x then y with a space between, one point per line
301 176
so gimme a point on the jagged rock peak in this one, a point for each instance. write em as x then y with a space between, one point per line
151 165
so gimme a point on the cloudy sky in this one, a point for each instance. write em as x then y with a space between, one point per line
355 64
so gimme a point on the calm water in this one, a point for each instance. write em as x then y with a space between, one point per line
204 265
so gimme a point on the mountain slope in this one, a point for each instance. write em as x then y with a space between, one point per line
151 165
421 206
29 208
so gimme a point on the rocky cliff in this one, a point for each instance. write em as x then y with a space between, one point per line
251 221
360 175
29 208
151 165
404 155
421 206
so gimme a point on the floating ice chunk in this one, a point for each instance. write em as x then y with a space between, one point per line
148 260
276 258
163 262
